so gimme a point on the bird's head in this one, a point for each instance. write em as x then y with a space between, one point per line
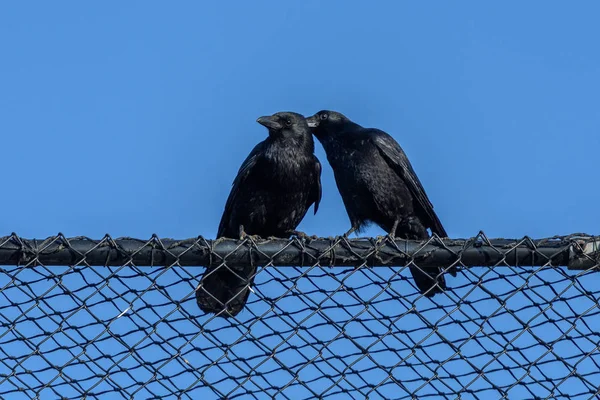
286 125
326 122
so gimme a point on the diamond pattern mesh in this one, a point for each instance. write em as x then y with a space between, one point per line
90 329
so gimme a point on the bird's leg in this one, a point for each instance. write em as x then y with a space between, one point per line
350 231
392 233
301 235
244 235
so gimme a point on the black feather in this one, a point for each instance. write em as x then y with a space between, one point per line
273 190
378 184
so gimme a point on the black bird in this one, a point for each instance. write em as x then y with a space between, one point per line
378 184
273 190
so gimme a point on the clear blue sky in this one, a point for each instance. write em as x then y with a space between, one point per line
132 118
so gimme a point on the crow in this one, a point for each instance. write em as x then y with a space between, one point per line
378 184
274 188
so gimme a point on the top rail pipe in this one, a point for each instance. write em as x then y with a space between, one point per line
578 251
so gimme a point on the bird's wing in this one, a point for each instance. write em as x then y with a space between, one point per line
316 191
396 158
238 182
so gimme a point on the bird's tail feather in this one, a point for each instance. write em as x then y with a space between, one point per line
224 290
430 281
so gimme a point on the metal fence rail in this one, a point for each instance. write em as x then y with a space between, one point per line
328 318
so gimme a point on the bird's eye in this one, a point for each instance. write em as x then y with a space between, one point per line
324 116
288 122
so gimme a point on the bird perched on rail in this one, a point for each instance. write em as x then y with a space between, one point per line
274 188
378 184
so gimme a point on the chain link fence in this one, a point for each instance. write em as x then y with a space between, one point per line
329 318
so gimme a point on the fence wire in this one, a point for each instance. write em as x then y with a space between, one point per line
328 318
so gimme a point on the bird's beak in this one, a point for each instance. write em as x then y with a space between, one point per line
269 122
313 121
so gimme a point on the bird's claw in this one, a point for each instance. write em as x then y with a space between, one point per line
254 238
244 235
380 238
219 240
302 235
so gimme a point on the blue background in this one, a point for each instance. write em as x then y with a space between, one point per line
132 118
